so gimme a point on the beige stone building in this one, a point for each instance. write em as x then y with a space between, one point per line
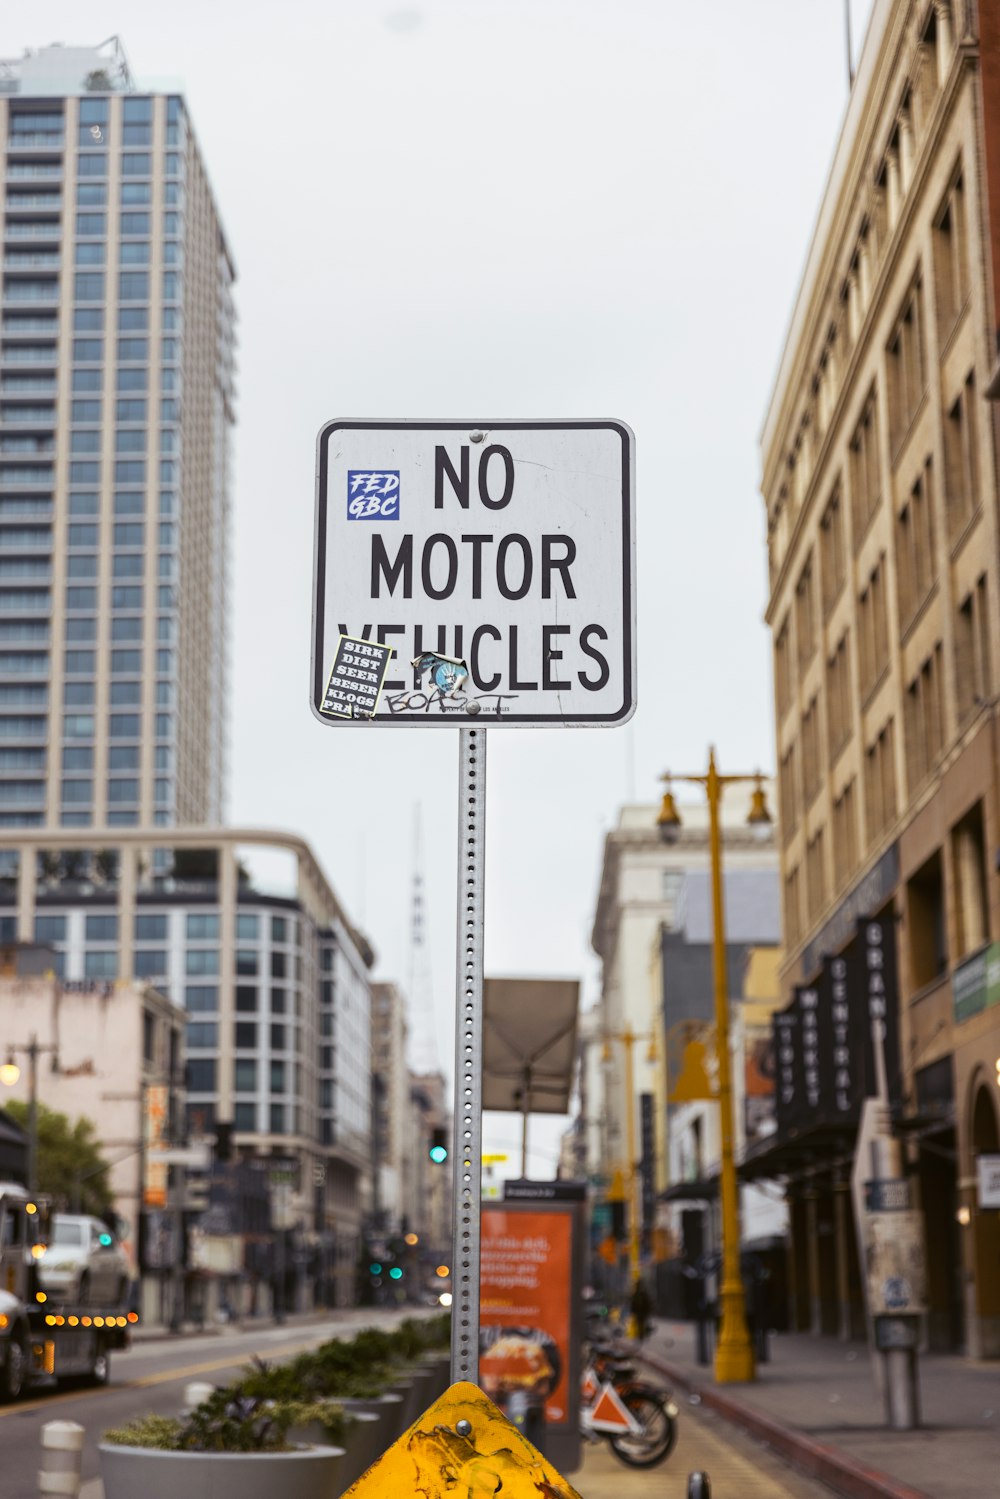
880 480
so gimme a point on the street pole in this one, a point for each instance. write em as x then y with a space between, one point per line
32 1050
734 1360
629 1041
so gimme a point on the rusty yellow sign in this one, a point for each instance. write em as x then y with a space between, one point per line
462 1447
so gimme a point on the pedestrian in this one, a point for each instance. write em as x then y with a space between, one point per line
640 1306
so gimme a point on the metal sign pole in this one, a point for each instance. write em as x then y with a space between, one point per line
468 1142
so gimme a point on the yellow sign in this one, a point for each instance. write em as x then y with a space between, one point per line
616 1191
693 1082
493 1160
462 1448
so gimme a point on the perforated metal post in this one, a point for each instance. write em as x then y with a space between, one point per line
468 1143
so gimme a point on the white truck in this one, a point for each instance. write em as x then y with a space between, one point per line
42 1338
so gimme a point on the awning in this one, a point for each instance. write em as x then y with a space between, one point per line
703 1190
529 1044
820 1147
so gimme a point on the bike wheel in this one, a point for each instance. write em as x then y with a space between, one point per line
655 1442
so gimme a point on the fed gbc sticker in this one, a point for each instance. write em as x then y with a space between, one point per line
372 494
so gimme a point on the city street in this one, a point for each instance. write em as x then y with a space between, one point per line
152 1376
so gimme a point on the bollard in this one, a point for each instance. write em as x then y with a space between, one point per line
699 1486
62 1458
196 1394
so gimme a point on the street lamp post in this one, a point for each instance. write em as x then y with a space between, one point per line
628 1037
10 1072
734 1358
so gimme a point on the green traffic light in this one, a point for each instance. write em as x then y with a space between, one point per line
438 1154
375 1269
395 1273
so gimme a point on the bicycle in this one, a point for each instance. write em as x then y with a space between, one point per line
636 1419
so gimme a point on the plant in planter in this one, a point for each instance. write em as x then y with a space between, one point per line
232 1440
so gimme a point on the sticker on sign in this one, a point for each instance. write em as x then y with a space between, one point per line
497 559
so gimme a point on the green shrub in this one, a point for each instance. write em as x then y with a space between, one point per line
160 1432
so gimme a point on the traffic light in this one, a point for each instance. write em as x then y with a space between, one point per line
438 1151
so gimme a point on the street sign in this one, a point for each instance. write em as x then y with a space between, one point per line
497 559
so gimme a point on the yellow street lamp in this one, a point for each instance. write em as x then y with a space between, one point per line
734 1358
10 1073
628 1038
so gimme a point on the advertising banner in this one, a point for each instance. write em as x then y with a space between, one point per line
529 1343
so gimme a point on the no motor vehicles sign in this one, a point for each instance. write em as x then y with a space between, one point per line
496 559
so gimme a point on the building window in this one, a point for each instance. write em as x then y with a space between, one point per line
924 721
102 964
201 960
961 468
200 1076
50 929
782 669
277 1116
277 1001
246 999
277 1077
102 928
202 1035
788 793
278 1041
278 929
915 550
805 615
247 961
880 782
839 706
150 962
202 926
245 1075
951 271
245 1117
812 764
968 852
815 875
793 914
201 998
905 367
972 657
926 926
247 927
833 552
866 484
150 928
845 836
873 629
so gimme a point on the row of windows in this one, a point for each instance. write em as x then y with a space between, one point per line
126 410
127 440
130 222
199 926
120 757
127 380
133 286
85 599
120 725
126 471
132 195
131 252
92 164
118 791
120 694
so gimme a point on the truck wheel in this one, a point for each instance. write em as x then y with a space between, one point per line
13 1369
100 1369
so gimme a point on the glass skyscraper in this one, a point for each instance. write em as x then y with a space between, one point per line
116 402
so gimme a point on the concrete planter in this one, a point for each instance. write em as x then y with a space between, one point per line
389 1408
307 1473
416 1389
439 1365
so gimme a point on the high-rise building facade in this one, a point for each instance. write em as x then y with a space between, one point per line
116 400
880 478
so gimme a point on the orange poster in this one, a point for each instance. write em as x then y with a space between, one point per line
525 1313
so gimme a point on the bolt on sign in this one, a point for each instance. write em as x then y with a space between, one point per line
495 559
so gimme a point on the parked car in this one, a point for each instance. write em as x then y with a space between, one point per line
84 1262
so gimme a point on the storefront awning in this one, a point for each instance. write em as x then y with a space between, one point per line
704 1190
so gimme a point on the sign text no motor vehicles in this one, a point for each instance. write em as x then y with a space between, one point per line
506 546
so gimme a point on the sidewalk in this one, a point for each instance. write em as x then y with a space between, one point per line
816 1403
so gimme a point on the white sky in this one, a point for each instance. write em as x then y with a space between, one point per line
490 208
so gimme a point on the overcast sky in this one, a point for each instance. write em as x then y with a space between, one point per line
485 209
